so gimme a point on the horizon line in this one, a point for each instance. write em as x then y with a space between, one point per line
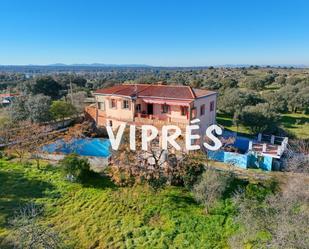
146 65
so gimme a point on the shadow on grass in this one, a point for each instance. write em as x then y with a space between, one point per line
182 201
99 181
17 191
234 186
257 190
290 122
225 120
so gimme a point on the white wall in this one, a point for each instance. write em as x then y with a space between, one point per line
209 117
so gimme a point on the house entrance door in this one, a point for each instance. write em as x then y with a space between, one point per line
150 109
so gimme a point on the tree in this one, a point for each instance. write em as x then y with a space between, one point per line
29 233
211 84
48 86
296 97
269 79
18 110
22 138
276 100
78 102
156 167
229 83
296 157
281 80
293 80
259 118
34 108
38 108
79 81
255 83
232 100
61 110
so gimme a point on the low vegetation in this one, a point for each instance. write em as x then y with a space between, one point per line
98 214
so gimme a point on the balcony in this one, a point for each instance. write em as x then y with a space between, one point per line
159 121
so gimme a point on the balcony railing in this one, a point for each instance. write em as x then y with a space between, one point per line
139 119
159 121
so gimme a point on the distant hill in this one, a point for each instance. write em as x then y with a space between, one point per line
98 65
60 67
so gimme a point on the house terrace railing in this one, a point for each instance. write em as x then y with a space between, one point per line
139 119
161 122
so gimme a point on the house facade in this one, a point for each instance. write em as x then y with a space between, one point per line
156 105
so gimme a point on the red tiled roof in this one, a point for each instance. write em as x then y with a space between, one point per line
5 95
202 92
160 91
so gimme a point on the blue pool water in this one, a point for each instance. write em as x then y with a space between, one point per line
84 147
242 143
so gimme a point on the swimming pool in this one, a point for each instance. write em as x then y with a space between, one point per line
96 147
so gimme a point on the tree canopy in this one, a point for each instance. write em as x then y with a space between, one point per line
48 86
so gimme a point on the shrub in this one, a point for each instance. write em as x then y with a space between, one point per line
277 220
75 168
211 187
192 168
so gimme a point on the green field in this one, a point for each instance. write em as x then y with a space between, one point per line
101 215
297 124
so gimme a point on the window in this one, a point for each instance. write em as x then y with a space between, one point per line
212 106
138 108
125 104
101 106
110 123
184 110
202 110
165 108
193 112
113 103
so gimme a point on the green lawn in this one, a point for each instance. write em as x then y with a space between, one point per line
101 215
227 122
298 124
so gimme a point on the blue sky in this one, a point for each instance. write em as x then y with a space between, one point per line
162 33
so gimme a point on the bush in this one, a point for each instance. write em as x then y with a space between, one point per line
211 187
272 220
75 168
192 169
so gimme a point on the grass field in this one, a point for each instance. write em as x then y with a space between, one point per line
227 122
101 215
297 124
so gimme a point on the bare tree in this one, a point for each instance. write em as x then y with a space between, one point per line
25 138
156 166
297 157
29 233
280 221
